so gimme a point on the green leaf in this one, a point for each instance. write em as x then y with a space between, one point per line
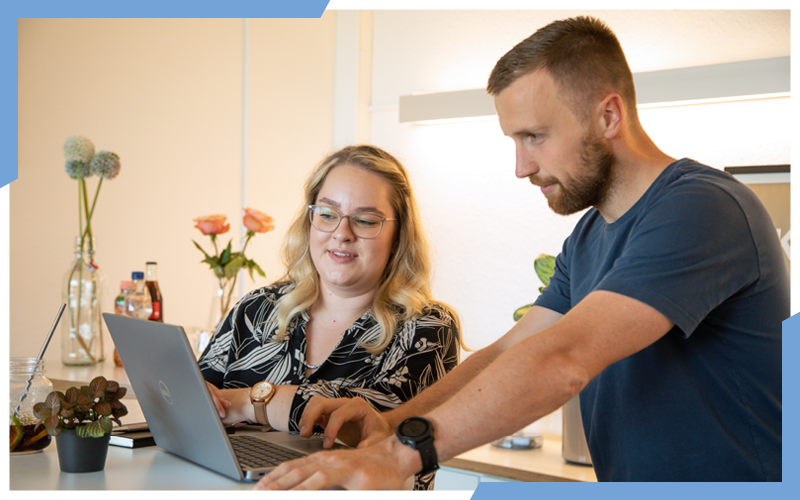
118 394
98 386
260 271
72 395
519 313
232 267
105 425
53 402
219 272
226 255
103 408
545 266
201 249
41 411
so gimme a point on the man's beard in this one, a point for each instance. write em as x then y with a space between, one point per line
589 189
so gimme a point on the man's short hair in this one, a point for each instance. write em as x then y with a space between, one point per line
581 54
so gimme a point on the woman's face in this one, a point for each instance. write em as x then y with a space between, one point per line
350 266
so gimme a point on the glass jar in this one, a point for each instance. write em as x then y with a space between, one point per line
28 386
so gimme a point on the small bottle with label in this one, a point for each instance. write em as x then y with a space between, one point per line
155 293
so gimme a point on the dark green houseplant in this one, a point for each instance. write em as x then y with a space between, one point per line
81 420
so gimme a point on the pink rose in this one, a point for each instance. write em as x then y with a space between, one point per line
212 224
256 221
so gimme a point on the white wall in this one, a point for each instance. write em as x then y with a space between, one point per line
168 96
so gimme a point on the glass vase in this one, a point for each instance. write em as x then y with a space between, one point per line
82 326
222 302
27 386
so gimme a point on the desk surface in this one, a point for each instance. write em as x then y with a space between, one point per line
148 468
153 468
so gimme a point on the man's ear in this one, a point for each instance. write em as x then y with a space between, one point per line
611 115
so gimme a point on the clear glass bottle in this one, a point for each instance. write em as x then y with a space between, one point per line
155 293
119 308
27 386
82 290
137 302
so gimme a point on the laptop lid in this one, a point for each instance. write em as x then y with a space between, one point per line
174 397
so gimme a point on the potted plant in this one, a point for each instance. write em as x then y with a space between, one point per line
81 420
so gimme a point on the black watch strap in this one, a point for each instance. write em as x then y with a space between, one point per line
417 432
427 451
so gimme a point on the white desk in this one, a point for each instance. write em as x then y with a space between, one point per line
154 469
148 468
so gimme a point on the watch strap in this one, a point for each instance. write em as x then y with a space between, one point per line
260 410
427 452
260 406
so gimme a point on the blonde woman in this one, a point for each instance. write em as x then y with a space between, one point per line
352 317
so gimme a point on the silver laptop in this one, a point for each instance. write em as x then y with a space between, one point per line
179 410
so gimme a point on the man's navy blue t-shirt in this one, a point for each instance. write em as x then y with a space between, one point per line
703 403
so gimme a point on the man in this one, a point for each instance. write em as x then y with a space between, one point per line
664 311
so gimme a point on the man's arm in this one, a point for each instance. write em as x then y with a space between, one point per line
361 420
537 376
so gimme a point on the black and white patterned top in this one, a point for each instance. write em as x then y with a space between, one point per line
242 352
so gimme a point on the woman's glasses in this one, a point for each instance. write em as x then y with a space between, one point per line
327 219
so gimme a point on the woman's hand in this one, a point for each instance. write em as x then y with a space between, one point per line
233 405
352 420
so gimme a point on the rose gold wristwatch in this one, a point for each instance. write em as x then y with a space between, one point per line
260 395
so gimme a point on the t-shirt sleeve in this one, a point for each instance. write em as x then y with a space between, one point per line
422 352
556 295
679 262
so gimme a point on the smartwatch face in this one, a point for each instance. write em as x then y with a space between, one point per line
414 428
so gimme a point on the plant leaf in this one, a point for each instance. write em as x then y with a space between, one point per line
226 255
232 267
519 313
105 425
258 269
545 266
53 402
98 386
72 395
103 408
201 249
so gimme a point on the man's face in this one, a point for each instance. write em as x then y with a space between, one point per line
565 157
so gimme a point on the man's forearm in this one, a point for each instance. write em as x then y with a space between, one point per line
443 389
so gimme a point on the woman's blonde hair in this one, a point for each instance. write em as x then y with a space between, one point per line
404 288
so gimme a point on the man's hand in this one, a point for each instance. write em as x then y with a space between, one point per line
352 420
386 466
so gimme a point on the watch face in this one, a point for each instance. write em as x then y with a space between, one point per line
261 390
414 427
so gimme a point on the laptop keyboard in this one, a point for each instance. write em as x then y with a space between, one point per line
254 453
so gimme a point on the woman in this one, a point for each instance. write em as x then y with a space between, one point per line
353 316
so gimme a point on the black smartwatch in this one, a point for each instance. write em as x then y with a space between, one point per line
417 432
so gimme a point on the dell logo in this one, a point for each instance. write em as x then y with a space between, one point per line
165 392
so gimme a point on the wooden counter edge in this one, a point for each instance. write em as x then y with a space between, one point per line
504 472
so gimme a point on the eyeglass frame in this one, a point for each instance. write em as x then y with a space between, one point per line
342 216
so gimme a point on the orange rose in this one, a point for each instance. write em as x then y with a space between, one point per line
212 224
256 221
